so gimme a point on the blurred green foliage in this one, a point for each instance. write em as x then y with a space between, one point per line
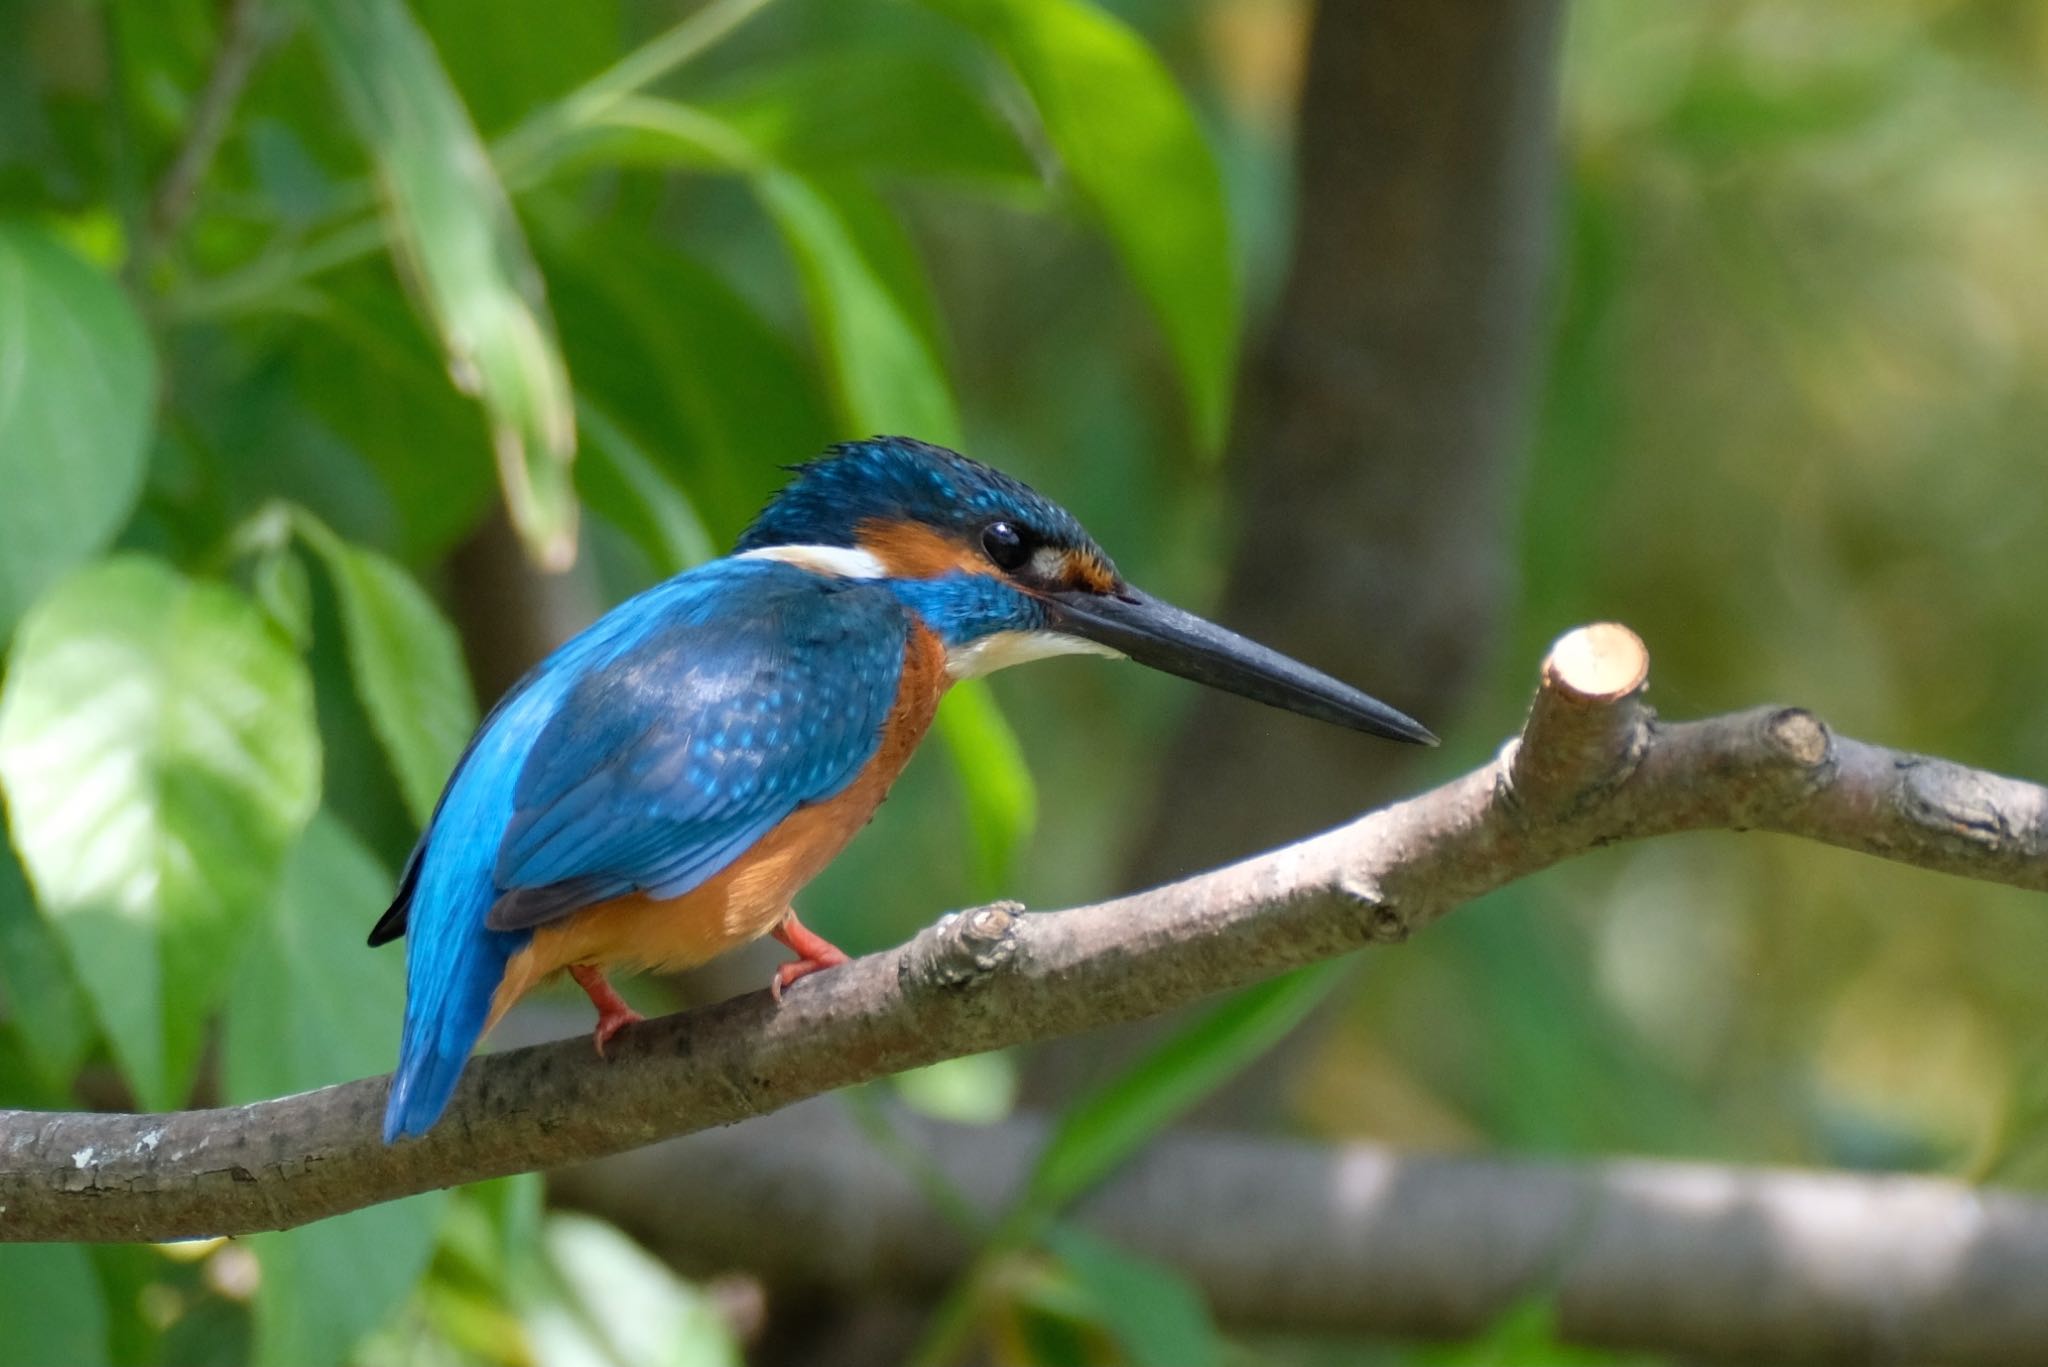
1790 431
285 291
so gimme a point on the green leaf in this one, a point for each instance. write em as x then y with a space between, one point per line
77 386
368 373
532 50
1002 801
879 238
821 112
885 376
687 369
455 237
159 757
884 373
407 663
486 1272
1104 1129
1153 1312
623 1307
281 585
1525 1335
51 1303
1126 135
974 1089
309 1007
622 482
45 1007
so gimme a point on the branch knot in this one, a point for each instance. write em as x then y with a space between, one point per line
1383 922
962 947
1799 737
1953 800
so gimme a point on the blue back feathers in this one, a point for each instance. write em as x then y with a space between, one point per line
644 755
726 713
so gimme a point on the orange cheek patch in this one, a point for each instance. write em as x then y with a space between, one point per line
908 550
1089 572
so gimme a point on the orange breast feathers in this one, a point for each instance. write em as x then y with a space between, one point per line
751 895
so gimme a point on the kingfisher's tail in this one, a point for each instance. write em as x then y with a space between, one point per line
448 998
454 962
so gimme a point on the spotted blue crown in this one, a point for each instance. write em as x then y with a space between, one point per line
900 479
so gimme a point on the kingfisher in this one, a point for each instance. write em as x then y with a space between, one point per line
655 792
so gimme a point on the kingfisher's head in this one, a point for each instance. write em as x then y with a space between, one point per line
1005 575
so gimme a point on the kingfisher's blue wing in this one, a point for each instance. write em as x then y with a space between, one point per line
716 720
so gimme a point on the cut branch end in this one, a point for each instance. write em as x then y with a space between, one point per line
1587 726
1598 664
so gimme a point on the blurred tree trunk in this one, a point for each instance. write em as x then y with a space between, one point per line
509 613
1379 425
1380 422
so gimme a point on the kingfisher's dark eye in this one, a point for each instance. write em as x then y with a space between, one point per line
1005 545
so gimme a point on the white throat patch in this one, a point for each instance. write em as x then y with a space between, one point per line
845 562
1006 648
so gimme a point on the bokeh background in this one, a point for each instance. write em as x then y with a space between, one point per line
1404 336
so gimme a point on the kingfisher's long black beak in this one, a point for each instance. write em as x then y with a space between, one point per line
1162 636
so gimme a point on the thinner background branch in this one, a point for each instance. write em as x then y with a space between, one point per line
1364 1239
246 30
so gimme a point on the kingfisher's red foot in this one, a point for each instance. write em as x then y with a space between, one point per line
613 1015
813 952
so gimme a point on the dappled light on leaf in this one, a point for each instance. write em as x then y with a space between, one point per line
407 663
158 757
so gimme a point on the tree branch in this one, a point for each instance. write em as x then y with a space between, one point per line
1591 767
243 36
1744 1264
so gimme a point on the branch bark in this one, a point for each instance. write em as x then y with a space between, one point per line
1743 1264
1591 767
